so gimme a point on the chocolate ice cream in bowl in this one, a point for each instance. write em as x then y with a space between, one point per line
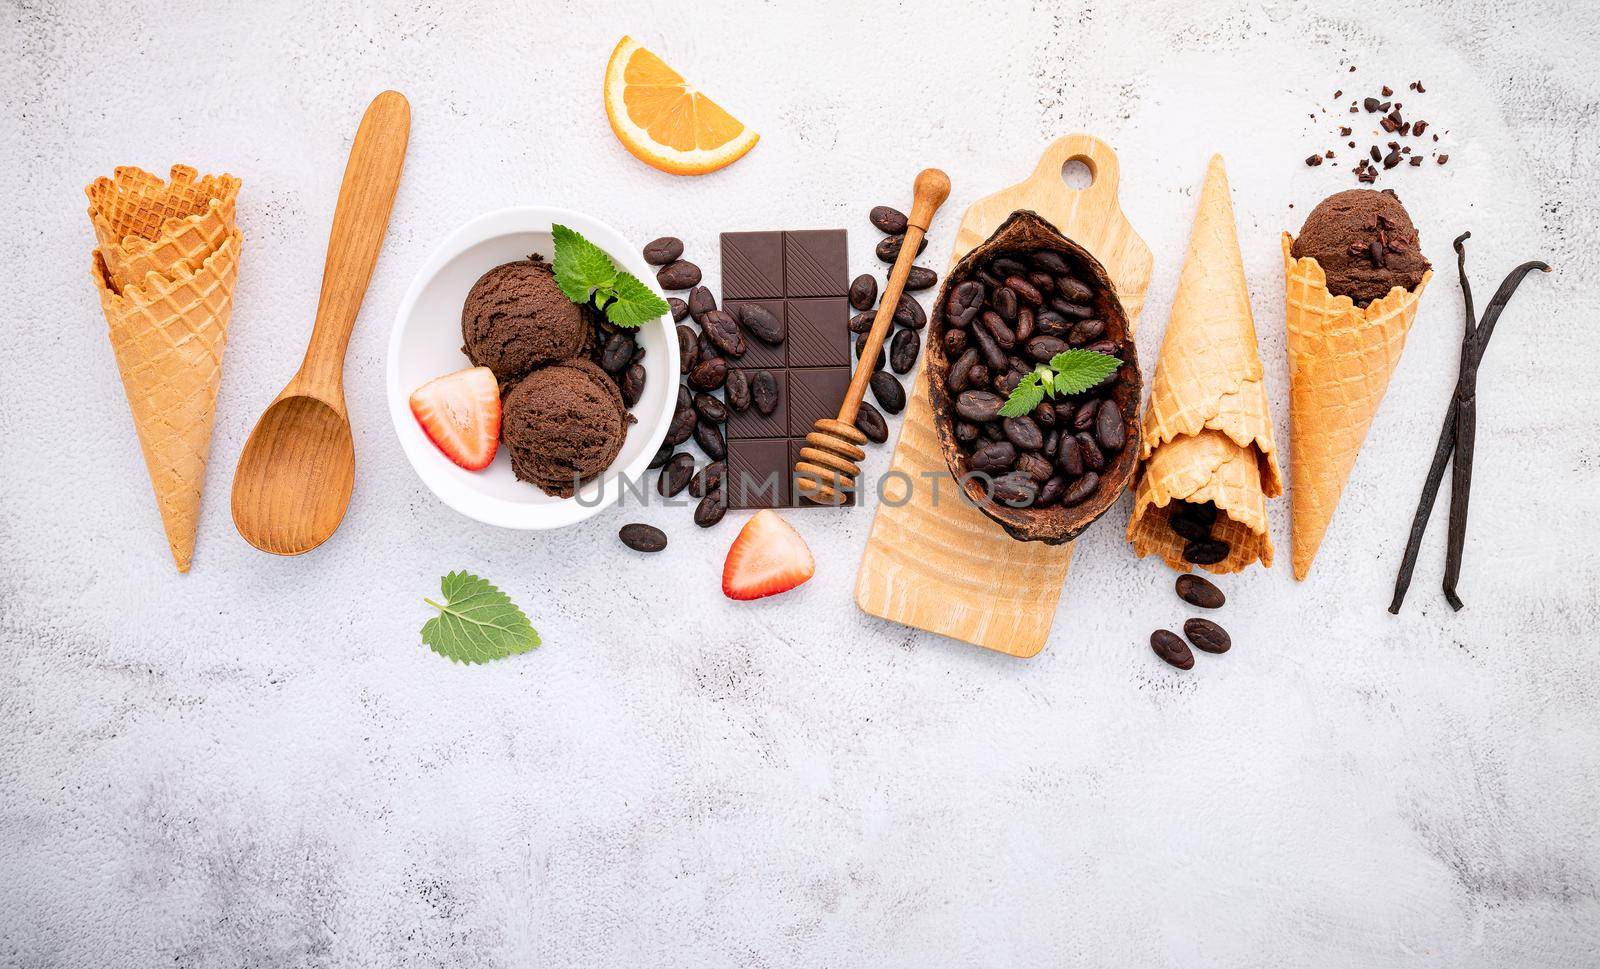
582 404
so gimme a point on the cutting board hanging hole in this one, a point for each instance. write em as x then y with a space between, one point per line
1078 173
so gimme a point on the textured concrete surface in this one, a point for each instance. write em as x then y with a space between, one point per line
257 764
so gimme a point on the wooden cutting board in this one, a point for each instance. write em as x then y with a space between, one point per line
934 562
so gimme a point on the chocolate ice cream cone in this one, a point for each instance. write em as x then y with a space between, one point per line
1340 359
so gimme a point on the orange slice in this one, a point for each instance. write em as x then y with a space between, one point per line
663 121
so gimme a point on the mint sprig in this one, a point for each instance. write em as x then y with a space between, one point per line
1068 372
584 272
477 622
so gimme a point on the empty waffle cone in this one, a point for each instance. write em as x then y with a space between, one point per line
135 204
1208 427
189 240
1340 359
168 335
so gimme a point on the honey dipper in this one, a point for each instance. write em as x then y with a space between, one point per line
827 468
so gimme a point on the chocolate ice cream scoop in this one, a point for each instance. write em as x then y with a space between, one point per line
516 318
1365 243
563 424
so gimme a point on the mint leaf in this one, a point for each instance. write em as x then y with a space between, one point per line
1078 370
581 266
1025 397
585 272
477 622
634 303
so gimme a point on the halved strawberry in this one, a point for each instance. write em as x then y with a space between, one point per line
460 413
767 558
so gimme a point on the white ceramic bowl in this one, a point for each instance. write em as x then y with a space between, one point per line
426 343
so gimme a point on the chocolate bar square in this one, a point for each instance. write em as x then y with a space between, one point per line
758 474
758 354
752 423
815 263
752 265
813 395
819 332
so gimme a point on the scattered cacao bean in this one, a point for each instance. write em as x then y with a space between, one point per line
903 351
661 251
1173 650
886 390
1207 635
864 291
737 392
1197 591
870 421
887 219
679 274
642 538
675 476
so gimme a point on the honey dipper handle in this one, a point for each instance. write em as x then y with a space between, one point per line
371 177
931 188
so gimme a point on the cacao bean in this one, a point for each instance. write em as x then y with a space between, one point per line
762 323
1109 428
904 350
994 457
710 409
888 220
678 274
1023 432
1173 650
1081 489
869 421
1197 591
710 439
642 538
723 331
737 392
709 374
1207 635
661 251
701 300
886 390
1208 551
864 291
764 392
675 476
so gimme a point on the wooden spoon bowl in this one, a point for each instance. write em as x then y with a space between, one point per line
299 464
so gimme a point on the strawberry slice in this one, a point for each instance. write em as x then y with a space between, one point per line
460 413
767 558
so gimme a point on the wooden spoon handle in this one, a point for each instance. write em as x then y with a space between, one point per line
370 179
931 188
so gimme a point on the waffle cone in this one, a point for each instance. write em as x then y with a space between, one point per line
1340 359
1208 427
168 335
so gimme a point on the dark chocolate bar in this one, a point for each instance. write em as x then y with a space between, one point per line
802 278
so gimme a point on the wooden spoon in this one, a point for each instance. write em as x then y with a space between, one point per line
295 475
827 468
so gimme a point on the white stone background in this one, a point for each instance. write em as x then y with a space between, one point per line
258 764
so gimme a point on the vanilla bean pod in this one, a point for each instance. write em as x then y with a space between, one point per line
1467 430
1446 445
1457 436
